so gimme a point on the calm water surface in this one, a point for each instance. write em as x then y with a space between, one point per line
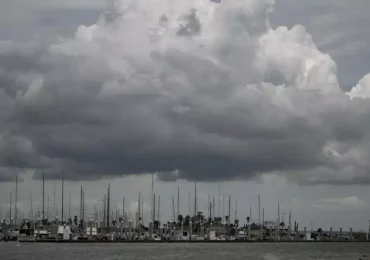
284 251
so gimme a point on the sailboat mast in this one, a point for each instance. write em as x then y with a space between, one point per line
189 201
259 209
213 207
83 207
48 209
178 200
108 205
62 197
69 205
81 203
228 222
16 201
123 208
208 206
195 199
43 197
139 208
152 198
223 207
105 209
31 208
159 207
10 208
153 207
142 210
54 213
173 208
219 202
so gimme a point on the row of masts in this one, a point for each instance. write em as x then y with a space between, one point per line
155 209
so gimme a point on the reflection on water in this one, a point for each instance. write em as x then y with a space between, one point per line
267 251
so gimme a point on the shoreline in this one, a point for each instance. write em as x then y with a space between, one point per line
185 241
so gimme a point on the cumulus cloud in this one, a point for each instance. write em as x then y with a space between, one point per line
193 90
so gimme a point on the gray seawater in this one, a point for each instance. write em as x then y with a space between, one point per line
267 251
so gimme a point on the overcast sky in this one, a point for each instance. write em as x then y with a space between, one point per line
255 96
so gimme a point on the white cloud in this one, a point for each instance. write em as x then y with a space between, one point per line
362 89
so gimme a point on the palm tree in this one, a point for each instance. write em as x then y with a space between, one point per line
187 220
236 223
282 225
180 219
156 224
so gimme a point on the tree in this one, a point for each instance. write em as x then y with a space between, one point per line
319 230
236 223
248 218
282 225
180 219
156 224
187 221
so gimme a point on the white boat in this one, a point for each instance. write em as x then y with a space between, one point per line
156 237
91 229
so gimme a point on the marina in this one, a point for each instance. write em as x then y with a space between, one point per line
109 226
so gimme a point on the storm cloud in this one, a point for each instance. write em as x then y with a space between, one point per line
187 89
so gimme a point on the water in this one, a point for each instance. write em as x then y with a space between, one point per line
283 251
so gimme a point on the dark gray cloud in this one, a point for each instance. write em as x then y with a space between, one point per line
228 98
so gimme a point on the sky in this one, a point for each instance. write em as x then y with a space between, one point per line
252 96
